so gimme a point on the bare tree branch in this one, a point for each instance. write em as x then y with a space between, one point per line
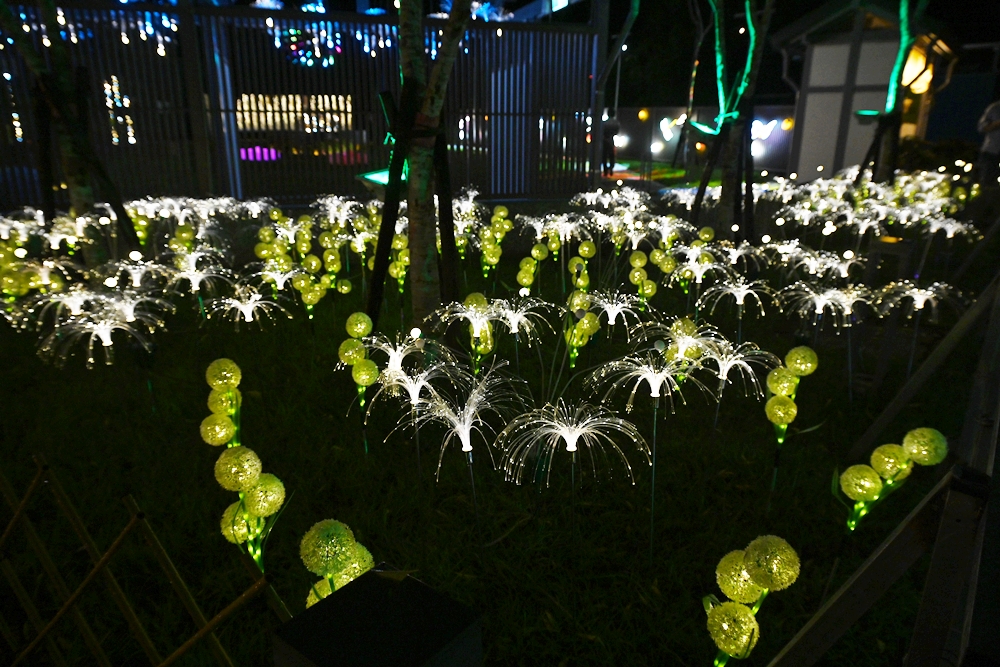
446 55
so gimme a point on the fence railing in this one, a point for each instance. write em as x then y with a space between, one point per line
254 103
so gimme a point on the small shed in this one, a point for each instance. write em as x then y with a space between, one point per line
848 49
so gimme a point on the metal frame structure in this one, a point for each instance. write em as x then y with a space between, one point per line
67 601
284 104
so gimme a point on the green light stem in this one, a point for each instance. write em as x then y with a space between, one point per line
236 441
720 61
780 430
905 43
721 659
760 600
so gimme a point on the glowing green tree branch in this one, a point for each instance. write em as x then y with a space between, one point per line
906 40
729 104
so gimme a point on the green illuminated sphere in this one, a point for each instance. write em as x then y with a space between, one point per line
312 263
578 301
706 234
891 462
582 281
587 249
322 588
576 265
352 351
361 562
484 343
668 264
327 548
359 325
476 300
527 264
266 234
344 286
637 259
224 401
590 323
539 251
237 469
733 628
734 580
861 483
233 524
647 288
217 429
223 374
266 496
771 562
525 278
781 410
365 373
500 211
782 382
636 276
656 256
801 360
926 446
683 326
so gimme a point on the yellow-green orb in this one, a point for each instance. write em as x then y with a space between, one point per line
351 351
781 410
224 401
344 286
359 325
734 580
539 251
782 382
802 360
327 548
733 628
861 482
706 234
476 300
891 462
926 446
361 562
771 562
365 373
266 496
217 429
647 289
223 374
637 259
587 249
234 525
237 469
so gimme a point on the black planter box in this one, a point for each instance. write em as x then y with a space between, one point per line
382 618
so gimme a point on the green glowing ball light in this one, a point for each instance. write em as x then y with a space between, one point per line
359 325
733 628
223 374
861 483
351 351
892 462
782 382
237 469
233 525
266 497
802 360
771 563
781 410
327 548
926 446
365 373
224 401
217 429
734 580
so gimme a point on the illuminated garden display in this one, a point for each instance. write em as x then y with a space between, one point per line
582 339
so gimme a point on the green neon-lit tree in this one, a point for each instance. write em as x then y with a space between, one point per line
729 125
888 134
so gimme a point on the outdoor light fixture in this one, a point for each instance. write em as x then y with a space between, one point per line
665 130
656 146
787 124
621 140
761 130
757 148
644 115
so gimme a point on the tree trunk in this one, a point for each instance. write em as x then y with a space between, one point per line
424 278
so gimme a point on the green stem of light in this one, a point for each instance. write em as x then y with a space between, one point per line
905 42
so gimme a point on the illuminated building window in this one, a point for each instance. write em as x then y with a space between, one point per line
299 113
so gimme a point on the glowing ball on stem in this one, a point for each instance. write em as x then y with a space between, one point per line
365 374
781 410
217 429
327 548
587 249
734 580
359 325
802 360
925 446
351 351
234 525
782 382
771 563
266 497
223 374
891 462
224 401
706 234
733 628
237 469
861 483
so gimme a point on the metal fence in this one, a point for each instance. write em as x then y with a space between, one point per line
253 103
